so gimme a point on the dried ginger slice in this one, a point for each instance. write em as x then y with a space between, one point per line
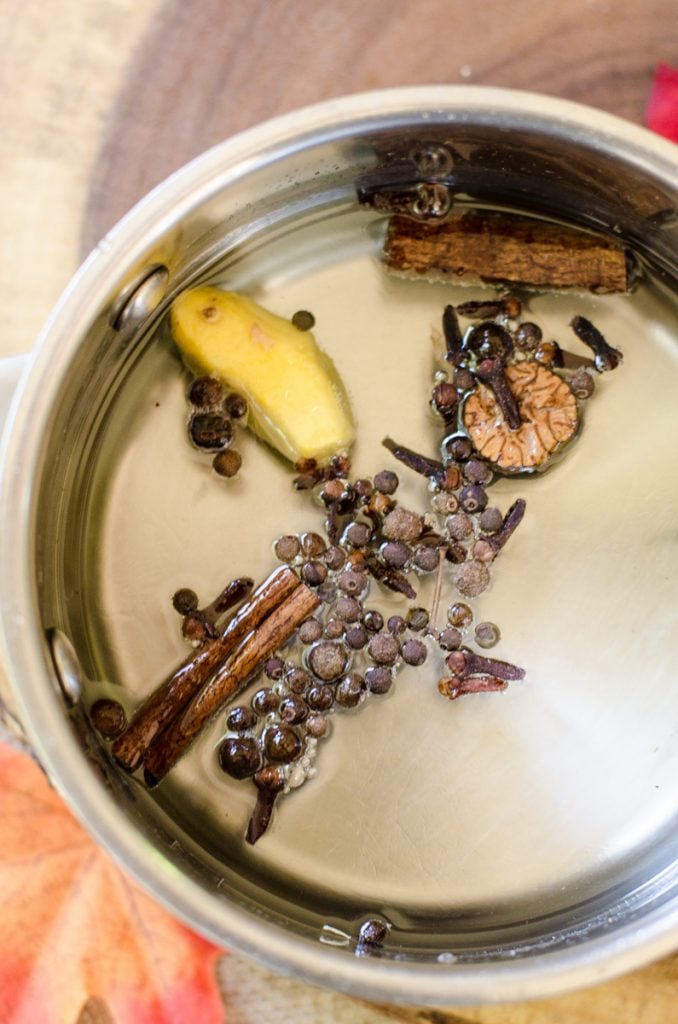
548 411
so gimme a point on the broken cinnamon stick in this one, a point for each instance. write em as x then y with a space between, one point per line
498 248
229 680
169 699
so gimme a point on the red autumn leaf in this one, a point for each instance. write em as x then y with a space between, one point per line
662 107
73 927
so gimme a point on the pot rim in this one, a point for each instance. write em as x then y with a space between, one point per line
542 974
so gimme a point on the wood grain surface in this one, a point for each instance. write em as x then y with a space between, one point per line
101 99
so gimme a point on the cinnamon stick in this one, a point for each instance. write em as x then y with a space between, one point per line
229 680
168 700
498 248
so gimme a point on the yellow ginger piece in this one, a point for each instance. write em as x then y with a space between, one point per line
297 402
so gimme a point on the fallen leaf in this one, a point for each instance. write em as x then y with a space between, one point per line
76 930
662 107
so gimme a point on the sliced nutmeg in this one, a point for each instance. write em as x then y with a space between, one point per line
548 415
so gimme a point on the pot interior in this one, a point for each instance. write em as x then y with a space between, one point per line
489 829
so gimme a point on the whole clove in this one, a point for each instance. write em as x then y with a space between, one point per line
605 356
512 519
452 333
431 468
453 688
491 372
236 591
392 579
464 663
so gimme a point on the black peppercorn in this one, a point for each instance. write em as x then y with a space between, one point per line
395 553
491 520
379 680
185 601
265 700
386 482
235 405
358 535
282 743
459 526
293 710
108 717
287 548
356 637
396 625
414 652
206 392
317 725
472 578
477 472
350 690
227 464
210 430
582 384
320 698
335 558
372 932
528 336
334 629
314 573
328 660
348 609
373 620
473 498
298 681
450 639
303 320
274 668
456 447
487 634
384 649
310 630
312 544
240 719
240 756
460 615
417 619
426 557
352 582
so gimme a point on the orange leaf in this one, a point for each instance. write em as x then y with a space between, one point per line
74 927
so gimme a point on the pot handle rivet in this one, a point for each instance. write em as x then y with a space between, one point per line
140 298
68 669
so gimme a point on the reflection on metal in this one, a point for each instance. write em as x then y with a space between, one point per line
140 298
68 670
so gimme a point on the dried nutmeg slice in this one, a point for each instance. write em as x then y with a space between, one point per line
548 419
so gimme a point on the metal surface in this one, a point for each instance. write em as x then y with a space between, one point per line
518 846
140 298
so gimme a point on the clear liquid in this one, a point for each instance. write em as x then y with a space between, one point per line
447 818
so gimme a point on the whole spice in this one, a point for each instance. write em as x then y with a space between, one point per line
227 464
430 468
108 717
169 700
452 333
493 373
275 629
604 356
547 419
488 247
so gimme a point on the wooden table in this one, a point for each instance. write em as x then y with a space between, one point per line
101 99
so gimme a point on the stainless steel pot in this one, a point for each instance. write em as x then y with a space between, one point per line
503 148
